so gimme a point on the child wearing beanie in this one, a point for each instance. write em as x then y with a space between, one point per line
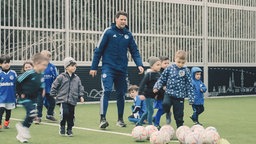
146 88
67 88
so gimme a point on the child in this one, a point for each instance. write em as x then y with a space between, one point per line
199 89
139 106
159 99
28 65
67 88
7 91
177 80
146 87
29 85
50 75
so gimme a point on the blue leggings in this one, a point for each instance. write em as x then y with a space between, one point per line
149 111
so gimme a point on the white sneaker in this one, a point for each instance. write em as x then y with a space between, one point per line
21 139
23 131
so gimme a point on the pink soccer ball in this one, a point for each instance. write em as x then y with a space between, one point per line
139 133
181 133
158 138
169 130
197 129
192 138
209 137
150 129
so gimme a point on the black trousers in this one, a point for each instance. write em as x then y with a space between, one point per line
197 110
67 113
178 108
7 114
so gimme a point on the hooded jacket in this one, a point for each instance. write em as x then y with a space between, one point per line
67 89
112 47
199 87
177 81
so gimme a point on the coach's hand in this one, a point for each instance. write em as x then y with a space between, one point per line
141 69
93 73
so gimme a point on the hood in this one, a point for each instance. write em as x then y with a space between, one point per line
194 70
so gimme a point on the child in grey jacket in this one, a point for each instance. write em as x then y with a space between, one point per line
67 88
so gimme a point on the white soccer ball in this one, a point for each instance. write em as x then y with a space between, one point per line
192 138
139 133
181 133
169 130
150 129
158 138
209 137
211 128
197 129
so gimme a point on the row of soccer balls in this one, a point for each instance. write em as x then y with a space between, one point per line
197 134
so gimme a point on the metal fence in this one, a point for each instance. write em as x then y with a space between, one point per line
213 32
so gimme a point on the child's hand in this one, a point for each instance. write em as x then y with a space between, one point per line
81 99
142 97
22 96
155 90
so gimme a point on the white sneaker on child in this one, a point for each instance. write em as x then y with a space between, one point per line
23 131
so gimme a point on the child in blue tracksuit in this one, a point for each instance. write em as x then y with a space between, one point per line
178 82
159 99
113 47
199 89
29 85
139 106
7 90
146 89
50 74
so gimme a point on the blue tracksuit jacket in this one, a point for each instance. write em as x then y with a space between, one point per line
178 82
7 86
199 87
112 47
50 74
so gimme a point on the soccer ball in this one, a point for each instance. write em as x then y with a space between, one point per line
169 130
223 141
181 133
139 133
158 138
209 137
150 129
211 128
197 129
192 138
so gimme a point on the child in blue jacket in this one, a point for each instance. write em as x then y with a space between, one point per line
199 89
139 106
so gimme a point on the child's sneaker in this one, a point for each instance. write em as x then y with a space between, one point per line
6 124
23 131
37 120
62 130
69 133
51 118
121 123
21 139
103 123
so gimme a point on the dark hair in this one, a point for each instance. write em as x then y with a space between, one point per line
163 58
26 62
38 58
133 87
5 59
119 13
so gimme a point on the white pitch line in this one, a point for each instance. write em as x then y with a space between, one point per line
87 129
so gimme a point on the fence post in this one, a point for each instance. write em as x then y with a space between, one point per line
67 28
205 45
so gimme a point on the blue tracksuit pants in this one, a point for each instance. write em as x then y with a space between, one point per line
119 81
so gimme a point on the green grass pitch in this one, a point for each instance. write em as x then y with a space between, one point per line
233 117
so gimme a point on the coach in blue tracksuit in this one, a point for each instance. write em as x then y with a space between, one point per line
113 46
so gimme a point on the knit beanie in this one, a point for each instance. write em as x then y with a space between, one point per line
69 61
152 60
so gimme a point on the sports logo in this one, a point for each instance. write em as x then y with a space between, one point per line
11 77
126 36
181 73
104 75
